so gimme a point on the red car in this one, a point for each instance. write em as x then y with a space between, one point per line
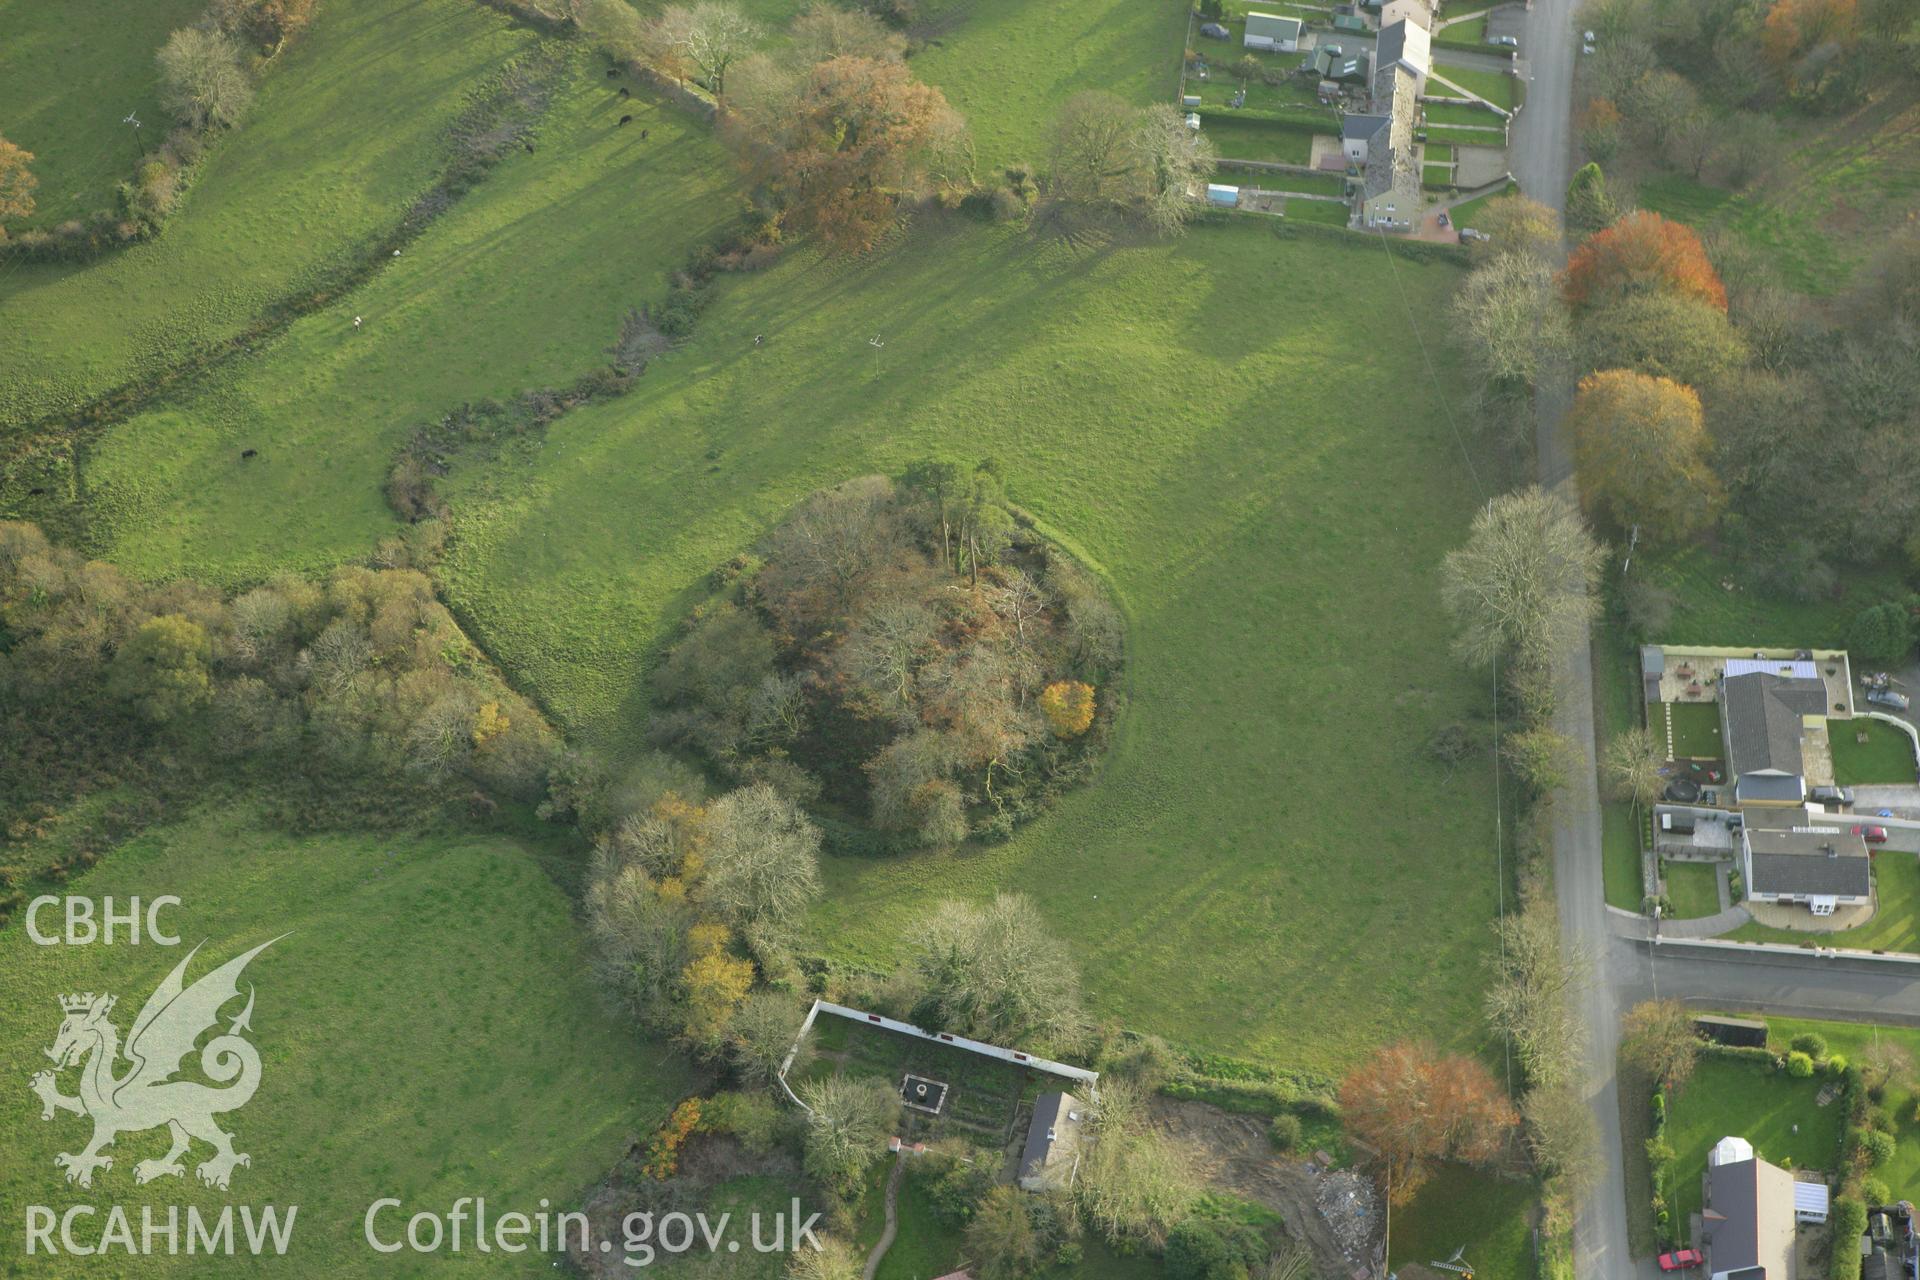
1872 835
1681 1260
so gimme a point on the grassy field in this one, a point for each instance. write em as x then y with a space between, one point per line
1134 413
523 284
1746 1100
1713 605
1894 926
1838 186
56 60
1008 66
1461 1209
424 1029
340 139
1696 730
1691 887
1885 757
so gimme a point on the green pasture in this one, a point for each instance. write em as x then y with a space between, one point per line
424 1027
1007 65
56 59
522 284
347 130
1131 402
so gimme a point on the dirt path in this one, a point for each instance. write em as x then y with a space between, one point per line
893 1222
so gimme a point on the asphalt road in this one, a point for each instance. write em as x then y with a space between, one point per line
1804 985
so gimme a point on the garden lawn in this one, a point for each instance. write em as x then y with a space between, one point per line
344 133
1247 138
1321 212
1692 887
1620 858
1215 883
53 64
1007 65
522 284
1483 1217
1894 925
1885 757
1498 87
1468 214
423 1021
1727 1097
1696 730
1855 1041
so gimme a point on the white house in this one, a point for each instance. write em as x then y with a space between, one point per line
1273 32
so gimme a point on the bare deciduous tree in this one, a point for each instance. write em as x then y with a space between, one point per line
202 80
1523 584
997 972
762 860
711 36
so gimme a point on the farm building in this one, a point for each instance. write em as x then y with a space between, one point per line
1806 864
1052 1153
1272 32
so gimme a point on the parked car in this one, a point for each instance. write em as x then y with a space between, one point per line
1444 221
1832 795
1888 698
1214 31
1505 42
1681 1260
1872 835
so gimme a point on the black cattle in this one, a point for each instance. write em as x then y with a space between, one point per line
628 120
34 493
249 453
643 134
529 147
612 72
625 92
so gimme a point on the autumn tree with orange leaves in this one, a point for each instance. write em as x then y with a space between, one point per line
1796 29
1410 1105
1642 253
1641 450
838 145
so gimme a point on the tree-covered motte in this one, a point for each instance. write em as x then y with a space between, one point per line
909 654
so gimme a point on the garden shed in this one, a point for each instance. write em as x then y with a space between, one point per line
1223 196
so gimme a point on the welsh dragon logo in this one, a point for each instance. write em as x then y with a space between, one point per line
145 1095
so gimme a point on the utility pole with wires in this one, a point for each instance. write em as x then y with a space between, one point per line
134 121
1633 540
876 344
